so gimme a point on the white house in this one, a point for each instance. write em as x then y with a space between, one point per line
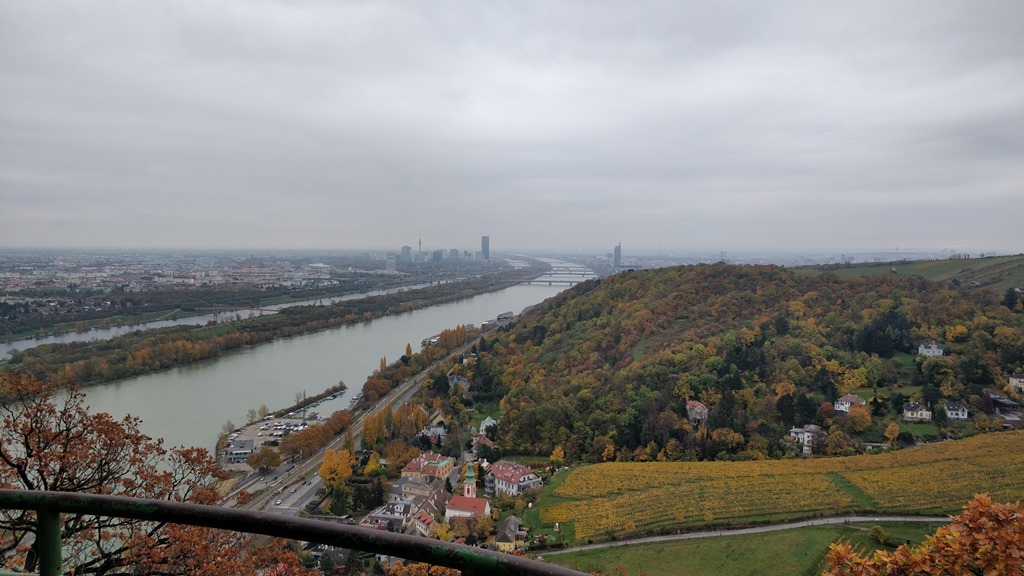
914 412
509 478
696 412
805 436
487 423
1017 382
955 411
930 349
849 401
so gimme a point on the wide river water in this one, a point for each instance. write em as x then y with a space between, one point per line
198 320
189 405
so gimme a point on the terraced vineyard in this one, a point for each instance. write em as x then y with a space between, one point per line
614 499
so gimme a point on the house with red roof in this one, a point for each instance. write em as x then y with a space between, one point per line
509 478
428 464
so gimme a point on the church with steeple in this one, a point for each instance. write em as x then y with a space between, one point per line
467 505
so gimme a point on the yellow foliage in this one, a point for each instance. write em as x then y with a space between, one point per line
602 498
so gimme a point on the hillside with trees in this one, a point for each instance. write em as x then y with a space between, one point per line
604 370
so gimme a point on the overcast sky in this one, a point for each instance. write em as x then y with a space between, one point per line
568 125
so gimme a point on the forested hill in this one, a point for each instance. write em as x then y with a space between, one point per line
604 369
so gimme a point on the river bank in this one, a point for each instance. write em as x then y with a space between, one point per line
188 405
145 352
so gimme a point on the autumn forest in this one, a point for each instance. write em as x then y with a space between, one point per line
603 371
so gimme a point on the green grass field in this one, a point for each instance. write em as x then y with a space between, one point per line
800 551
997 273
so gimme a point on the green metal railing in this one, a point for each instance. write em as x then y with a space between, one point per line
50 505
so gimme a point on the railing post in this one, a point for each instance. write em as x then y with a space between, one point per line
50 556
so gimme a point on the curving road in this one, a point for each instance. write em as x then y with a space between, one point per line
753 530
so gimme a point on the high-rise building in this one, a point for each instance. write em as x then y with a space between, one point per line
618 255
406 253
485 247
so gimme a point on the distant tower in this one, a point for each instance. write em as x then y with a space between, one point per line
421 248
618 255
469 488
485 247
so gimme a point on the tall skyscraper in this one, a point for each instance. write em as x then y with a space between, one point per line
485 247
618 255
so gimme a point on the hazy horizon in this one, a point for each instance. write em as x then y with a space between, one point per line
790 127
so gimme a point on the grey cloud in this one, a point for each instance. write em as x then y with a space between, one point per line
547 124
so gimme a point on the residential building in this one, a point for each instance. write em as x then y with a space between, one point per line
510 535
436 434
696 413
849 401
485 247
1017 382
392 516
955 411
481 440
487 423
805 436
914 412
510 478
1001 404
428 465
931 349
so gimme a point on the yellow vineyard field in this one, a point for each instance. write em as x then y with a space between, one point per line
615 498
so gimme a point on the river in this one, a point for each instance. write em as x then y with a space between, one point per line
198 320
189 405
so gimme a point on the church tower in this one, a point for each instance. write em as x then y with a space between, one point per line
469 487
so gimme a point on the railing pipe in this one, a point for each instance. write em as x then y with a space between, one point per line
50 553
468 559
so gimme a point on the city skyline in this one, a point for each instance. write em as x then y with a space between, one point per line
786 127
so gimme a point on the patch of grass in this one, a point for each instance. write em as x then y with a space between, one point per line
798 551
485 410
919 429
862 500
531 516
639 350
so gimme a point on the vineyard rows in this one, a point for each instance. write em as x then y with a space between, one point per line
615 498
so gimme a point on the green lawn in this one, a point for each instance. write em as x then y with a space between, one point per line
531 517
799 551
